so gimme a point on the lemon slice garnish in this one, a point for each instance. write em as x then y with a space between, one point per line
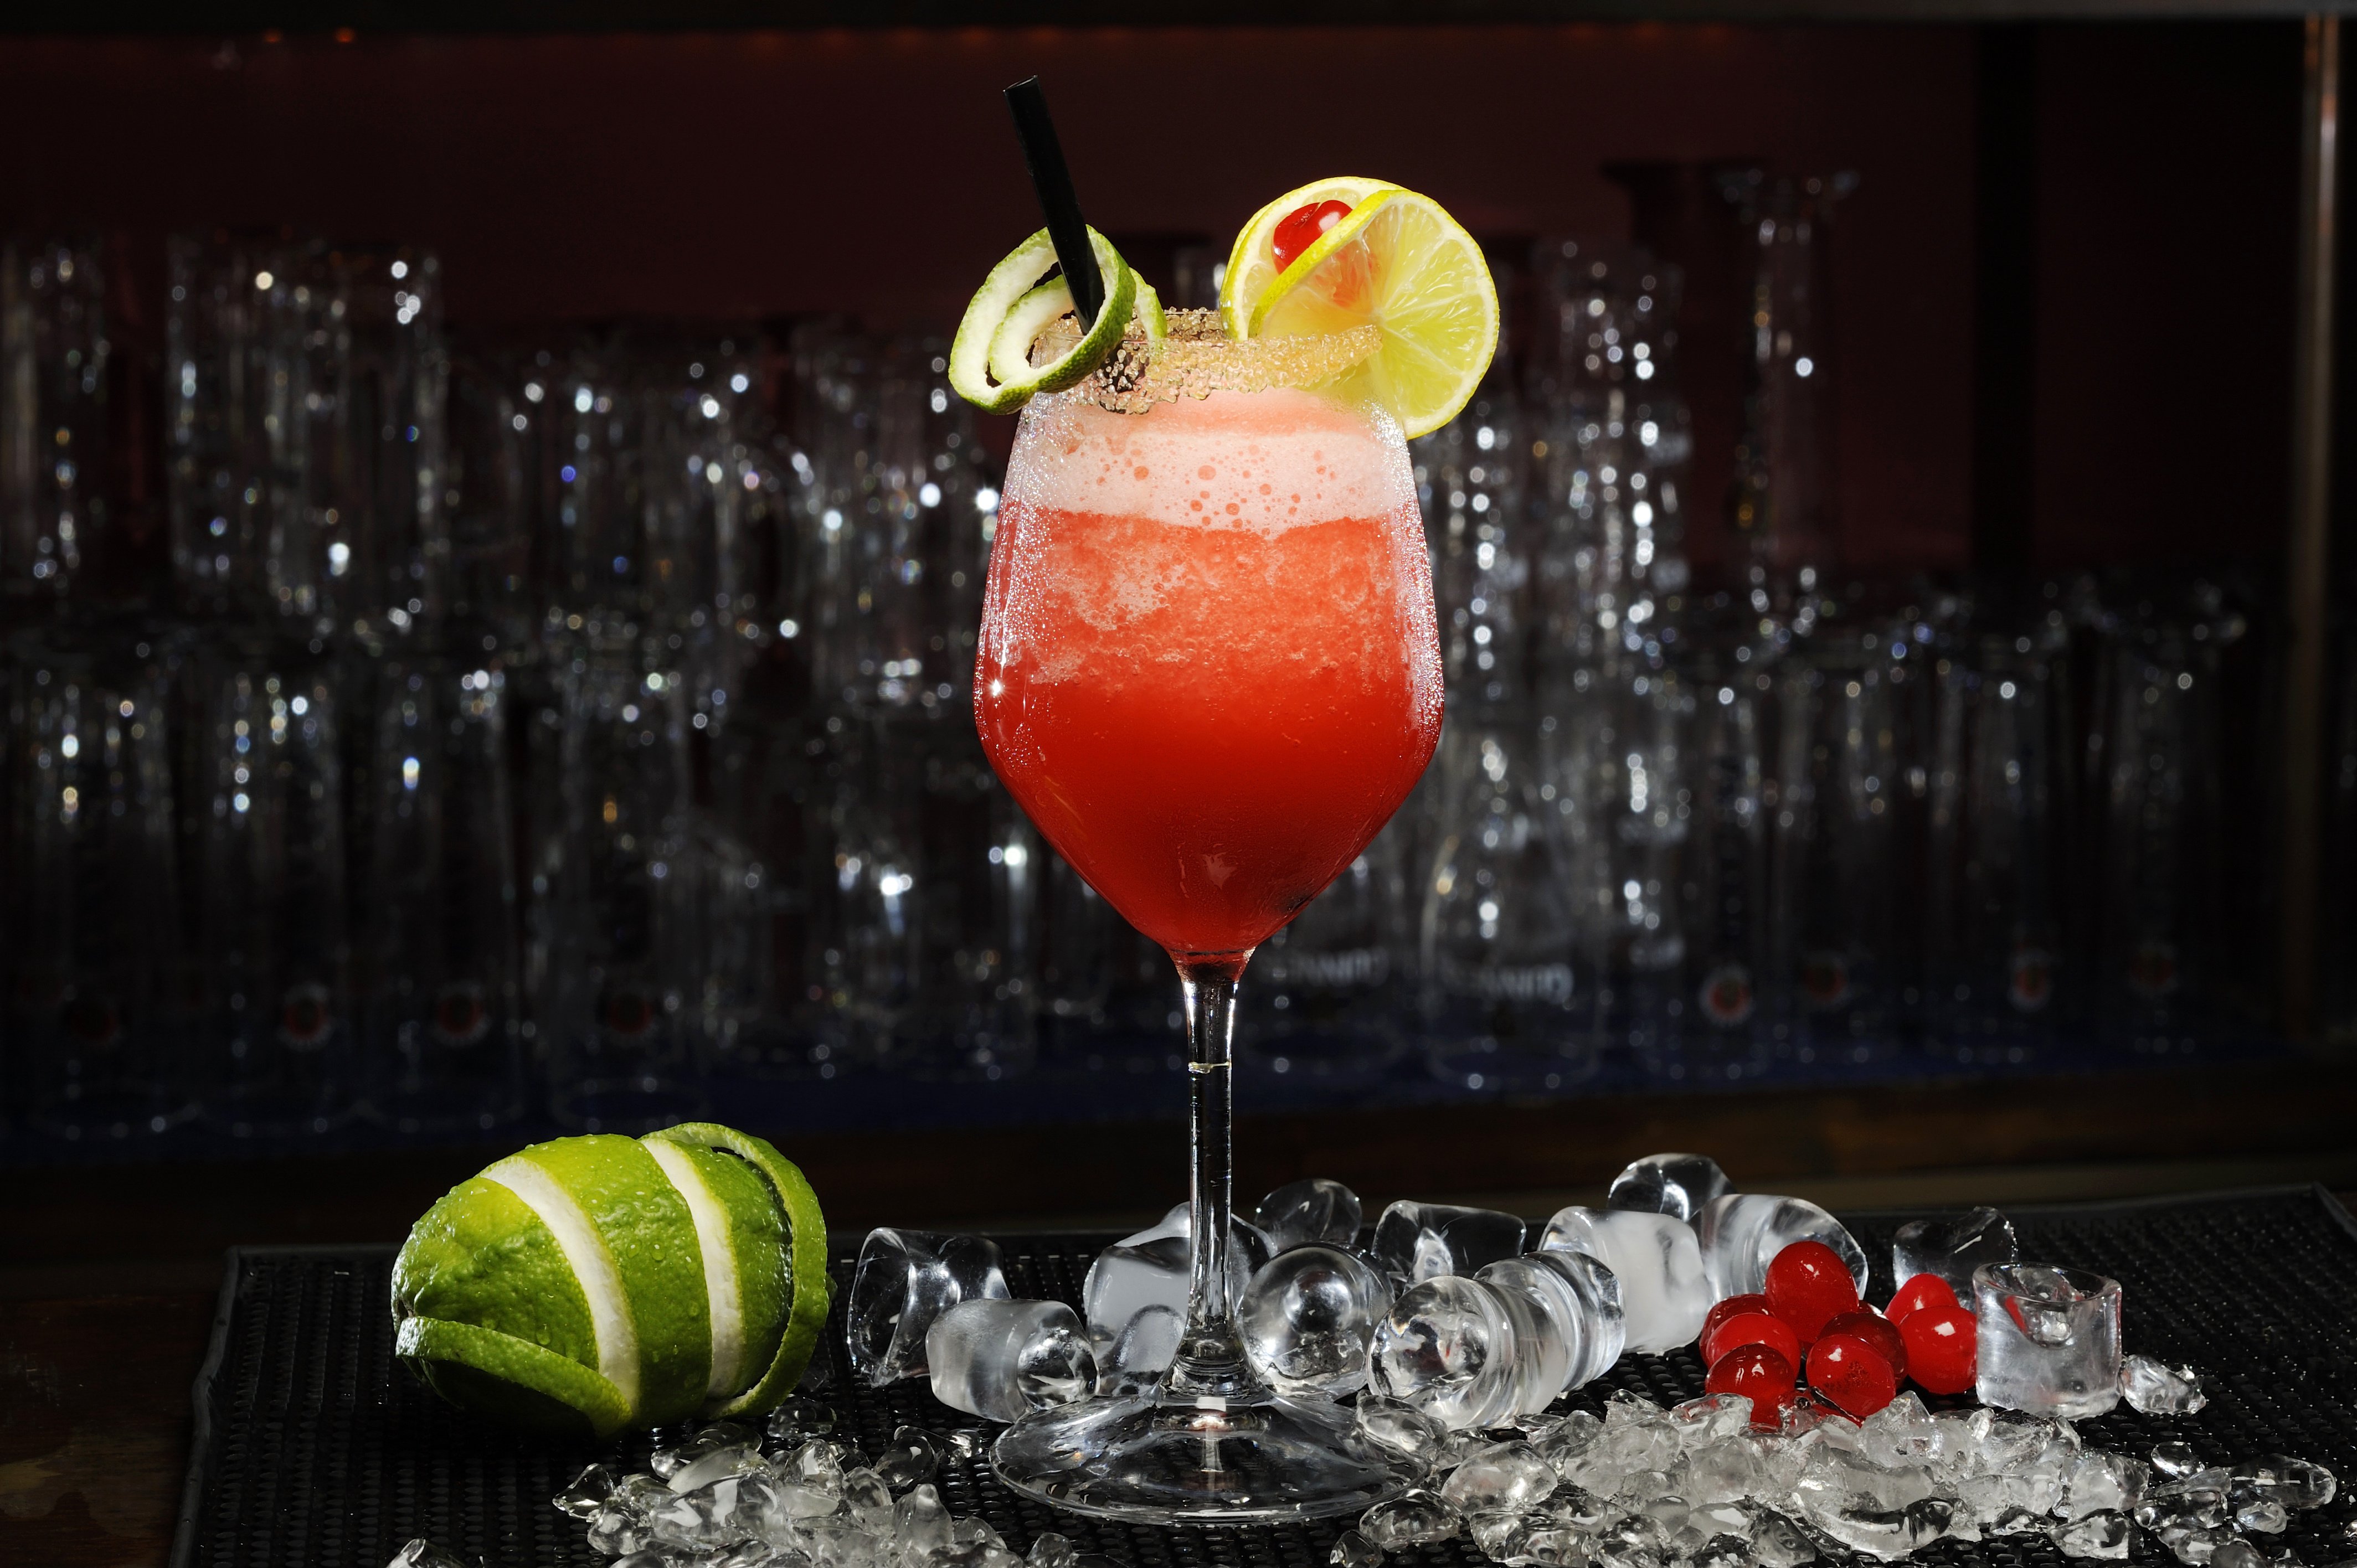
1398 263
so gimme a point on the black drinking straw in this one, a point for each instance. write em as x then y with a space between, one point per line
1053 182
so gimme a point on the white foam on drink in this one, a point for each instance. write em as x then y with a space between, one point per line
1266 461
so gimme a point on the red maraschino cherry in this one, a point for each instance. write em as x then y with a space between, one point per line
1922 1291
1298 230
1852 1373
1875 1330
1943 1347
1751 1328
1807 1284
1759 1374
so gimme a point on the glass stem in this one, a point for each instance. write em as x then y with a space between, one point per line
1210 1359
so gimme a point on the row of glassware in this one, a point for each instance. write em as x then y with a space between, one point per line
548 716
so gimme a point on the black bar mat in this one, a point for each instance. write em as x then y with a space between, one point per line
314 1449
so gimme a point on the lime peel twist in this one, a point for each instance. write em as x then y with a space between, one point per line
990 358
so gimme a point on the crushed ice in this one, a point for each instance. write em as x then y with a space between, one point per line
1697 1487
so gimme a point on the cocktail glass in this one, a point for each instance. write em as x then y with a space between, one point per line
1210 672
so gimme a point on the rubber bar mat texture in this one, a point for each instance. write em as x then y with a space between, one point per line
314 1449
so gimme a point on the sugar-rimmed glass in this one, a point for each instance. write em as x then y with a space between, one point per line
1210 672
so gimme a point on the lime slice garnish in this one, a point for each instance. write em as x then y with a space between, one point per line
1400 263
989 362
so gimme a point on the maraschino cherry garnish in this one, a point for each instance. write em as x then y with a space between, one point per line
1300 229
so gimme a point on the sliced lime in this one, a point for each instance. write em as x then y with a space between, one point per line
482 1256
513 1380
809 1292
643 1227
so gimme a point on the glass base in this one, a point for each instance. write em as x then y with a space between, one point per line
1158 1457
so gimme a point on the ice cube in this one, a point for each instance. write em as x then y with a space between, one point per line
1002 1359
1415 1517
1419 1240
422 1553
921 1523
2102 1482
1726 1472
1051 1549
1307 1317
1314 1211
1352 1550
1675 1185
1713 1418
905 1280
2048 1339
1150 1270
1399 1426
733 1459
1497 1534
910 1458
665 1461
2295 1483
1555 1549
798 1420
1741 1232
617 1530
1657 1260
706 1517
2156 1388
2173 1461
587 1493
1448 1348
1144 1349
869 1498
2194 1543
1778 1542
2236 1555
1900 1433
1581 1327
2102 1533
1952 1249
2266 1516
744 1554
1508 1476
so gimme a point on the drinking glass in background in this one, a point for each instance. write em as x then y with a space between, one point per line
1648 817
1507 970
1993 933
2150 761
1724 883
1837 949
486 502
307 389
1784 504
1614 441
382 438
695 412
620 1020
275 1024
1331 1002
54 352
1102 997
437 966
94 927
